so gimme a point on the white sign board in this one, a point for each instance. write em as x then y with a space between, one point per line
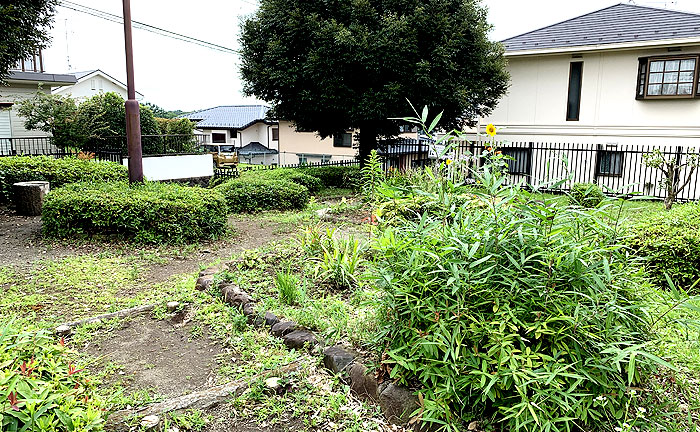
157 168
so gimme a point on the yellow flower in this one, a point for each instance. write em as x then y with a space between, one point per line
491 130
448 161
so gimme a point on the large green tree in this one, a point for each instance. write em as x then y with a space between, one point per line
333 65
24 28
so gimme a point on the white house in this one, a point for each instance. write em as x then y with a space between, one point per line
94 82
623 74
25 79
245 127
618 80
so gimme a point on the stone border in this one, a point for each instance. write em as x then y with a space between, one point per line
396 402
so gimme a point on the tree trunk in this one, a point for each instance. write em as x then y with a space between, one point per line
368 142
669 200
29 197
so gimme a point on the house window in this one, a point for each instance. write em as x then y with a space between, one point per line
342 140
275 134
93 84
573 106
667 77
326 158
233 134
218 138
519 160
610 162
303 159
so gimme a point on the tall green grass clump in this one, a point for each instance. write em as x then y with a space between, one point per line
289 288
516 311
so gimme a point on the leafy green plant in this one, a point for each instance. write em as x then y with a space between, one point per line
514 310
669 242
289 288
41 389
252 195
58 172
587 195
372 174
144 213
335 176
672 167
311 183
340 260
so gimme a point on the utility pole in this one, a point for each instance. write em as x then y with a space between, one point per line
133 115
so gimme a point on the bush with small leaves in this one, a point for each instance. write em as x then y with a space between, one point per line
587 195
293 175
57 172
144 213
252 195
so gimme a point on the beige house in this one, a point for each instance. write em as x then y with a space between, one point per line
625 74
308 147
25 80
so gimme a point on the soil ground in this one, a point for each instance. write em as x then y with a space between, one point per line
159 356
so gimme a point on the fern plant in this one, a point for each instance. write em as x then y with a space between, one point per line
372 175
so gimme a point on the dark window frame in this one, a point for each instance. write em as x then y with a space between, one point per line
611 172
643 78
571 116
275 131
525 167
339 140
218 135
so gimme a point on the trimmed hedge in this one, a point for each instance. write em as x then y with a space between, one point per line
670 242
252 195
335 176
311 183
587 195
57 172
144 213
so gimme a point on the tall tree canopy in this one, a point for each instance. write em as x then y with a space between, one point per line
24 28
333 65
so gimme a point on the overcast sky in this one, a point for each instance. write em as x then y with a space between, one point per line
179 75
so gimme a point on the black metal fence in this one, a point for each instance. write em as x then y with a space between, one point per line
44 146
618 168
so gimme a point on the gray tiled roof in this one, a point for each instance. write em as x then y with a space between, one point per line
229 117
79 75
614 24
255 148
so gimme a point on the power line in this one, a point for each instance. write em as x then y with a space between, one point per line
147 27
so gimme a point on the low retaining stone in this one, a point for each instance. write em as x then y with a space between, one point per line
337 359
282 328
398 403
364 385
299 339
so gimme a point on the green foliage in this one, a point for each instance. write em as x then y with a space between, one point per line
41 389
56 115
436 50
372 174
144 213
311 183
160 112
24 29
57 172
335 176
289 288
168 126
587 195
520 311
670 243
339 260
253 195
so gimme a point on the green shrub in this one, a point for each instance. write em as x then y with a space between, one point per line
57 172
670 243
41 389
311 183
289 289
516 311
587 195
252 195
144 213
335 176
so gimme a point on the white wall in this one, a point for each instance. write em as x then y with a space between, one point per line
14 94
156 168
535 106
83 90
293 143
